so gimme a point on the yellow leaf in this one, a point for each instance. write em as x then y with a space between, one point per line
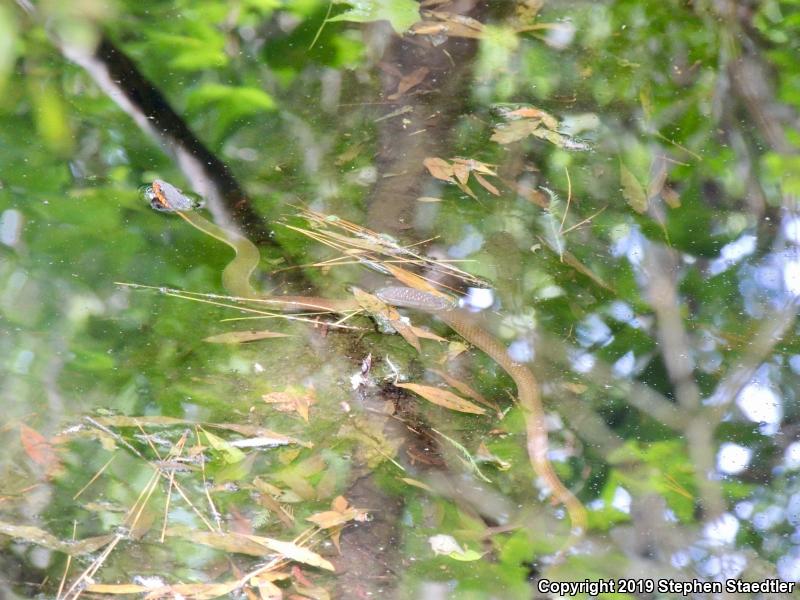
416 483
294 552
671 197
121 588
465 389
413 280
444 398
238 337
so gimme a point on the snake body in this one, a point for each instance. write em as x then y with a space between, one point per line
236 278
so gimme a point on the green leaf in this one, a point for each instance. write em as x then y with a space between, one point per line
466 556
784 170
632 190
8 42
239 100
402 14
204 48
230 454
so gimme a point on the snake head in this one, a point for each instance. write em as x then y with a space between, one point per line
165 197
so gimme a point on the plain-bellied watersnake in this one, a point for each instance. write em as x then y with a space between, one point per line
236 278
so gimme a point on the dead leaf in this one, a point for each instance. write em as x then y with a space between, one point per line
194 591
414 281
530 194
40 537
266 500
423 333
441 397
439 168
417 484
486 185
409 81
239 337
461 171
39 450
428 199
377 307
266 589
342 513
118 588
465 188
465 389
240 543
514 131
551 136
449 24
671 197
531 112
294 552
292 400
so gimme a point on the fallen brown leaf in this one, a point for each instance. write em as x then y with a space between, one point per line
409 81
443 398
292 401
239 337
439 168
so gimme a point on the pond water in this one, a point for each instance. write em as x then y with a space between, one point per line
595 203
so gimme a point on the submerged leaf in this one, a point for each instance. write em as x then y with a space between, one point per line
239 337
444 398
342 513
229 542
229 453
294 552
486 185
39 449
409 81
514 131
382 311
632 190
465 389
439 168
291 400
